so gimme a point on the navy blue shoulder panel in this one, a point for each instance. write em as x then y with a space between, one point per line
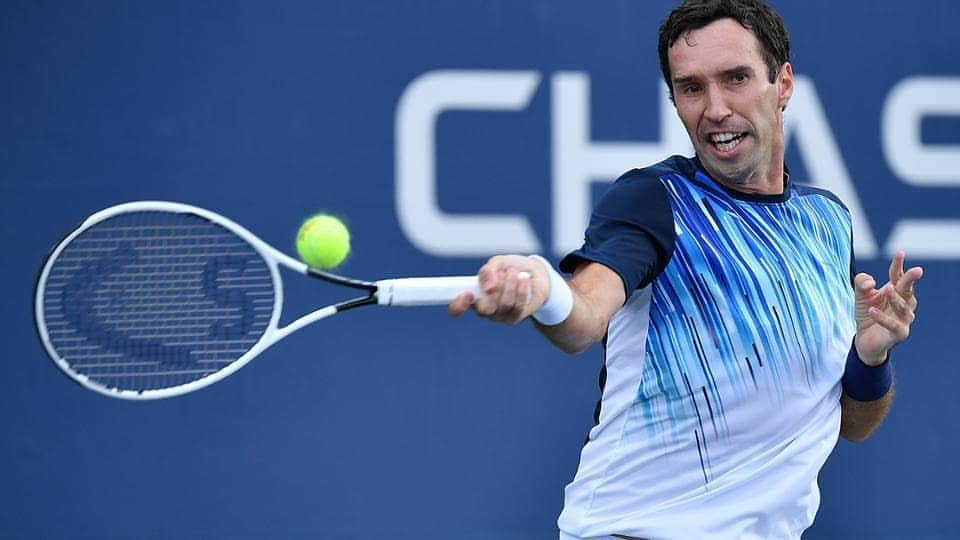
631 229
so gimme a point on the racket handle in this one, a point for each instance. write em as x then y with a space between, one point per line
424 291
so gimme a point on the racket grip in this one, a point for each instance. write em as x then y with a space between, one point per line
425 291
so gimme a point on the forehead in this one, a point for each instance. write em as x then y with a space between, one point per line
718 46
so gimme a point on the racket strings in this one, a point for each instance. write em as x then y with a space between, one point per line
149 300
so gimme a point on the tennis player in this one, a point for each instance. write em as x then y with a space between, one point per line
738 343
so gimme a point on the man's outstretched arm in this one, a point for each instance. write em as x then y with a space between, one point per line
516 287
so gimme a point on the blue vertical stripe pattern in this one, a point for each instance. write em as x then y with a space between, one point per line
754 301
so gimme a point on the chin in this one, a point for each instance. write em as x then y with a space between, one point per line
726 174
738 177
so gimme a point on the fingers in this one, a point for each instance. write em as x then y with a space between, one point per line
884 315
491 278
460 304
864 288
509 302
508 294
903 280
896 267
899 329
901 307
903 283
516 290
490 275
863 283
506 282
908 280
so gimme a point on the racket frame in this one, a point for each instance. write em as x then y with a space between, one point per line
273 333
416 291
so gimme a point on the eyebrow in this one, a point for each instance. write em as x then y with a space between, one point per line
737 69
679 81
726 72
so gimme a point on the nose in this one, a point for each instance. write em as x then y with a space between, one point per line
717 109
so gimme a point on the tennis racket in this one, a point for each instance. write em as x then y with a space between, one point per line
150 300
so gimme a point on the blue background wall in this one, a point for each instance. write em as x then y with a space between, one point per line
404 424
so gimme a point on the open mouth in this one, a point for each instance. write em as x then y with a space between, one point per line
726 142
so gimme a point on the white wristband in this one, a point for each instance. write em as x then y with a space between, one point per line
559 303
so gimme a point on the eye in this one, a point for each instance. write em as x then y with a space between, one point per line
738 78
690 89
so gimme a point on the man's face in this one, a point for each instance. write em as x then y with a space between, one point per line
731 110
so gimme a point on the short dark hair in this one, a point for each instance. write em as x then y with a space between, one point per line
754 15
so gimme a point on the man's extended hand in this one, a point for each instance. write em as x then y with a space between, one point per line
884 315
513 286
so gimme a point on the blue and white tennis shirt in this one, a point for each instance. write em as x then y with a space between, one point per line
721 398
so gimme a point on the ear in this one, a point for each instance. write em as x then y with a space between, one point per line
784 85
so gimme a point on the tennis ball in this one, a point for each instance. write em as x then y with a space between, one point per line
323 241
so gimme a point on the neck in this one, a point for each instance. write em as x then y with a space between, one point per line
766 182
770 180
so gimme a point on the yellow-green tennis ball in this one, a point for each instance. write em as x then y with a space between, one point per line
323 241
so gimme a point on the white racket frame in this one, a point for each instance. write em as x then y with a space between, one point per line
390 292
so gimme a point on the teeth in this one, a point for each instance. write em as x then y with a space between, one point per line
724 137
726 141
